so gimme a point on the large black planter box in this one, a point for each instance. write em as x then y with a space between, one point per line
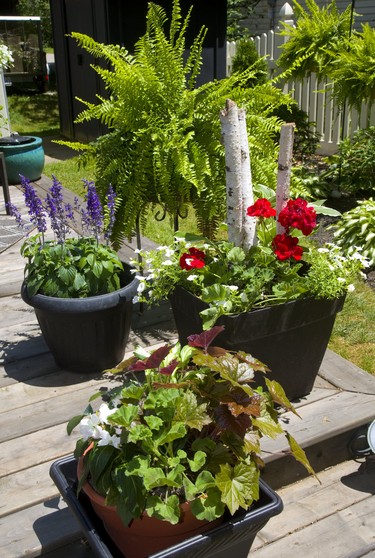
289 338
233 538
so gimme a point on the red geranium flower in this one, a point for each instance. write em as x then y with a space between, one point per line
298 215
194 259
261 208
286 247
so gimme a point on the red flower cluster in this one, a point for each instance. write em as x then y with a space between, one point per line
286 247
261 208
194 259
297 215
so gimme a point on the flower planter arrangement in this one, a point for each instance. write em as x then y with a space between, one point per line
276 291
80 290
181 436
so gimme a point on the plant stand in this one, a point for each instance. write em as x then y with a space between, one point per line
235 535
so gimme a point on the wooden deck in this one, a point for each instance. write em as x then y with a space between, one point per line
37 399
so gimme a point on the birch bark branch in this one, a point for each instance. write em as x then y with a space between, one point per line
284 170
248 223
232 143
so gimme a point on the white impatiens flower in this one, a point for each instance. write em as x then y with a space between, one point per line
106 439
351 288
192 277
89 427
104 412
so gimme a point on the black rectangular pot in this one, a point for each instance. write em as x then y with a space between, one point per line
235 535
290 338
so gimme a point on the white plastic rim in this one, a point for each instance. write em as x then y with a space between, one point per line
371 436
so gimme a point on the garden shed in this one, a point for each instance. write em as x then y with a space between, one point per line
117 22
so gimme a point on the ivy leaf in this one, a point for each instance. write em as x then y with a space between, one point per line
204 339
267 426
278 395
168 510
299 454
190 413
239 485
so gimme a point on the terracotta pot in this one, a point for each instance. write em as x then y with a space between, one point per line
147 535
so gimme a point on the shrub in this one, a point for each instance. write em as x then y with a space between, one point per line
247 57
352 170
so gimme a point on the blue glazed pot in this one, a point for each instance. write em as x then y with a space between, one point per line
26 158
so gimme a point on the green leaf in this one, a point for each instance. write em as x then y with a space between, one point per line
124 416
239 486
278 395
208 507
168 510
153 422
132 502
299 454
267 426
138 433
177 430
190 413
73 423
198 461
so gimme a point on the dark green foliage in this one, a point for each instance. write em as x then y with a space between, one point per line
352 170
39 8
247 57
237 12
305 139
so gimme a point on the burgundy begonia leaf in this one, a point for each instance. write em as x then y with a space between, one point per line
226 421
152 361
204 339
167 370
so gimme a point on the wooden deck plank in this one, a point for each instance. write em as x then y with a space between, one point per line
346 375
308 501
38 530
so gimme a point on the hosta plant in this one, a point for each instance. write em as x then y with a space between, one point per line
69 266
186 424
356 230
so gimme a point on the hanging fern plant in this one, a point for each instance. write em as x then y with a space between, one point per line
315 41
164 144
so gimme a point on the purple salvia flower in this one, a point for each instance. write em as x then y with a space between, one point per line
14 212
94 210
111 198
34 204
56 211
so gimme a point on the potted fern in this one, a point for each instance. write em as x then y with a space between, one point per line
164 145
175 449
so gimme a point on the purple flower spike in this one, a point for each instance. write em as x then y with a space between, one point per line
17 215
34 204
56 211
94 215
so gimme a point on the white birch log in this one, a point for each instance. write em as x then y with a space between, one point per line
248 223
284 170
232 143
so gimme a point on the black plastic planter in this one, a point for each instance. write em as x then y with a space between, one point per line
86 334
233 538
289 338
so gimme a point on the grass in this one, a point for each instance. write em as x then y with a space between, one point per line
353 336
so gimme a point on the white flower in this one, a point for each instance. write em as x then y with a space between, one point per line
168 262
106 439
104 412
141 287
351 288
243 297
192 277
88 427
232 288
340 280
135 299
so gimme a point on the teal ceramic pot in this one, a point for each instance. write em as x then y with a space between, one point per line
24 155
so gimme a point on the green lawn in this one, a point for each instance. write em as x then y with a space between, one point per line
353 336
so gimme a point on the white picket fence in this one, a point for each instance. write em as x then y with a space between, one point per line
313 97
